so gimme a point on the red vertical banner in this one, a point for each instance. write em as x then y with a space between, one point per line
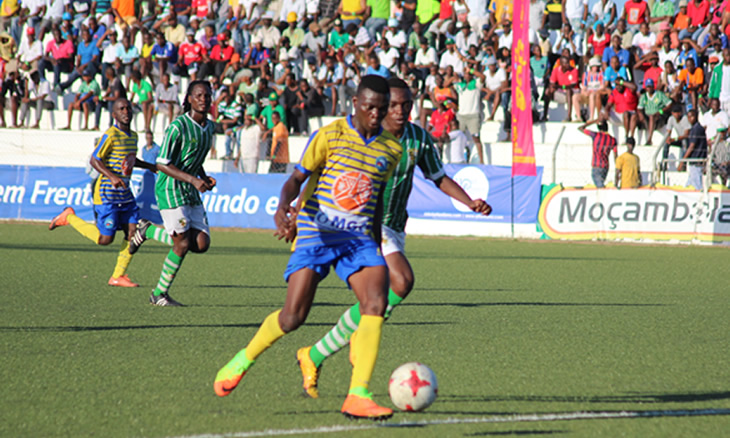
523 147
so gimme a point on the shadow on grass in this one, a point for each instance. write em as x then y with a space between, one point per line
633 397
61 329
517 257
150 248
535 304
520 433
283 286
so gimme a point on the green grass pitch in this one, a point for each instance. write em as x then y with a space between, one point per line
515 331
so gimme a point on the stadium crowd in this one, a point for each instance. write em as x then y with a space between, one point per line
274 65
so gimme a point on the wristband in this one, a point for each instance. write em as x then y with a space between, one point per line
661 112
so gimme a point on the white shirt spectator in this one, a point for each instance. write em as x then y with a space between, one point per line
574 9
110 53
43 89
27 53
493 82
505 40
463 42
314 43
725 87
645 43
34 6
712 122
250 8
457 147
396 39
470 98
297 6
671 55
565 43
312 7
324 74
537 10
427 58
166 94
452 59
269 36
601 11
250 138
389 58
55 9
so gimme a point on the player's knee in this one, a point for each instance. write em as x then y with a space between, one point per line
374 305
105 240
290 321
402 283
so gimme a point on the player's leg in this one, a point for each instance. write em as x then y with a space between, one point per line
178 225
370 285
401 283
300 294
101 234
128 217
146 230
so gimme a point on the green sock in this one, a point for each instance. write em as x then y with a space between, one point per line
158 234
340 334
169 270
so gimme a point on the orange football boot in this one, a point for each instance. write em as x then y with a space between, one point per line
122 281
356 407
61 219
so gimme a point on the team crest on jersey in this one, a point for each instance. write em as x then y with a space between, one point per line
352 190
381 163
412 154
128 164
183 222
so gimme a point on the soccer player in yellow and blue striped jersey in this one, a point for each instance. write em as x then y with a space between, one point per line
114 205
348 163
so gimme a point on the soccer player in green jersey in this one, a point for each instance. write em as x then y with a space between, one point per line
115 208
418 150
182 178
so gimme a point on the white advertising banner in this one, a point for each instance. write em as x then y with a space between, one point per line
648 214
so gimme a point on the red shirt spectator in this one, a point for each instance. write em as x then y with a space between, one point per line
653 73
191 52
200 7
623 101
567 78
220 53
635 12
598 44
603 144
698 12
440 121
65 50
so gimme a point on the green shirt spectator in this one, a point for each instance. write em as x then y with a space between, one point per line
338 40
654 103
89 87
143 90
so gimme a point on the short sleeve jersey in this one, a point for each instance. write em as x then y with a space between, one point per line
418 150
186 144
117 150
346 176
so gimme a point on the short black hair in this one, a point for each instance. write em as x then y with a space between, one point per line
603 126
374 83
396 82
631 141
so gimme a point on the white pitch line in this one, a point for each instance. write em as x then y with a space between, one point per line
567 416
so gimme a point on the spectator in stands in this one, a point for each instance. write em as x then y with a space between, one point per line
591 88
124 15
563 83
652 106
469 112
87 58
31 14
698 12
142 90
686 52
615 49
174 31
451 58
635 13
644 41
721 156
539 66
696 151
352 12
670 82
30 51
166 98
220 55
127 57
58 57
693 79
151 150
109 53
229 117
272 107
439 121
329 76
37 94
678 127
496 84
315 42
12 90
376 68
603 144
621 106
713 120
257 56
666 52
191 55
653 71
86 99
458 144
164 54
628 168
309 104
567 39
269 34
181 10
279 154
115 91
625 34
598 41
720 81
293 32
249 139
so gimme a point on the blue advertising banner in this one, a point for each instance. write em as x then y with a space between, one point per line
491 183
250 200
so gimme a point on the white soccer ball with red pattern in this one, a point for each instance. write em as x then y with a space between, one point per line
412 387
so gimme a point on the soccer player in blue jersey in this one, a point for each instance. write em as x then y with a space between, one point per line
418 150
114 204
347 164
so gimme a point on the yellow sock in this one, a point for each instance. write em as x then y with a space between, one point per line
268 333
84 228
364 348
122 260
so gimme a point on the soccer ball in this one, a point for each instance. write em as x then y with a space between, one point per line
412 387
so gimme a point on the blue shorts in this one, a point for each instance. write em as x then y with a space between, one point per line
347 258
111 217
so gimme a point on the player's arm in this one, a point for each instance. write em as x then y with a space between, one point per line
205 177
454 190
145 165
101 151
285 216
202 185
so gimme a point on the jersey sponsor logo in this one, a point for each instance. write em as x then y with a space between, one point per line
335 220
381 164
352 190
128 164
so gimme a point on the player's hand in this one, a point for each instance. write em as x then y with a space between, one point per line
201 185
117 182
481 206
211 181
285 220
